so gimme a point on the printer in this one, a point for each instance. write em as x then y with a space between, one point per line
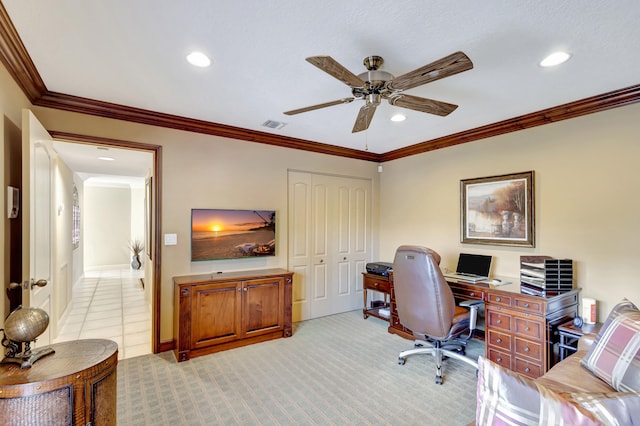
379 268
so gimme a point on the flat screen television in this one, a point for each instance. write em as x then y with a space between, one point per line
232 234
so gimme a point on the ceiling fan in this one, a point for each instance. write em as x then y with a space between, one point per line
375 85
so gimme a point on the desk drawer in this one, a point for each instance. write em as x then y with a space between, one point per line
499 340
528 305
501 358
498 320
529 349
376 284
529 328
527 368
467 293
499 299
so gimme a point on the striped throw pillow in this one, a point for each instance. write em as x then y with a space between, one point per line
614 355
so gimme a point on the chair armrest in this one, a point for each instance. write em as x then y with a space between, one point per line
586 340
473 305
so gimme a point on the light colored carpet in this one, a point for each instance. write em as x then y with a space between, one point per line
336 370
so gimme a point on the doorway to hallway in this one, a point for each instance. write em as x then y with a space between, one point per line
109 299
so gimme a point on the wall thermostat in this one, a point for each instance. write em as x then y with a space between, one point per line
13 202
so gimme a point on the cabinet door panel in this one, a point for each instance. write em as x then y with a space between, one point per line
263 306
216 314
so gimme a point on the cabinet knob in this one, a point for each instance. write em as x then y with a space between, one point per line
498 299
184 292
245 289
472 294
526 305
498 340
499 321
499 359
527 349
527 369
526 328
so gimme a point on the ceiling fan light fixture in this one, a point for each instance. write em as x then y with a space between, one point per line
198 59
398 117
556 58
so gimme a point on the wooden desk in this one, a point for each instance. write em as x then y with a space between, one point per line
75 385
520 329
380 284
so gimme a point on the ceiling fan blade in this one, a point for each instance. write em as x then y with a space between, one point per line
445 67
364 118
334 69
422 104
324 105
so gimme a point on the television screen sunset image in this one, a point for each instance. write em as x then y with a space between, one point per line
230 234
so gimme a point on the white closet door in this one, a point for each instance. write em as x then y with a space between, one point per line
329 237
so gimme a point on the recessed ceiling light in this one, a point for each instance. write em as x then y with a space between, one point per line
398 117
198 59
106 158
554 59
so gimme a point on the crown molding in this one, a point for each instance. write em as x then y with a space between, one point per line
614 99
16 59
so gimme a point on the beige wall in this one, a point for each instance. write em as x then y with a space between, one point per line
200 171
586 188
107 226
12 100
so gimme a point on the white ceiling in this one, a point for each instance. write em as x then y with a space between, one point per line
132 52
128 168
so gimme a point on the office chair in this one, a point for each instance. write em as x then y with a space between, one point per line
426 306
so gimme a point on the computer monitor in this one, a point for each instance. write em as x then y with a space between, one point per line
476 264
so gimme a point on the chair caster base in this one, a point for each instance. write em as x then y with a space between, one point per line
401 361
438 380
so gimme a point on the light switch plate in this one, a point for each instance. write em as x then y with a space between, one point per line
170 239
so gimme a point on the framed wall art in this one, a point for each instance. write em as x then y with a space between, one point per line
498 210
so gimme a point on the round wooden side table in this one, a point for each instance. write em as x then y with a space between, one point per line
76 385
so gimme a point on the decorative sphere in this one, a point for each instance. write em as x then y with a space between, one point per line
25 324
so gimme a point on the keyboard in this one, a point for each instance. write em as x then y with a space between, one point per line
465 277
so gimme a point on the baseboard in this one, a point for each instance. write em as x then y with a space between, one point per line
167 345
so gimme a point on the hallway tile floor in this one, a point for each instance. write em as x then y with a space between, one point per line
109 304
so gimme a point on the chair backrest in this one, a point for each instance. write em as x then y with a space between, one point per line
424 299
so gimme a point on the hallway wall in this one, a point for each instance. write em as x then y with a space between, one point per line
111 217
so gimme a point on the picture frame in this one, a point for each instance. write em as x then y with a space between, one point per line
498 210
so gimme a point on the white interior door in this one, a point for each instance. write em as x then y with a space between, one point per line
329 240
37 227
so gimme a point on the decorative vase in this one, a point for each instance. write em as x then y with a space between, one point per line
135 262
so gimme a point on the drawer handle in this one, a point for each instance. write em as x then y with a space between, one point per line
527 349
499 359
498 299
526 305
498 340
375 284
499 321
526 328
527 369
472 294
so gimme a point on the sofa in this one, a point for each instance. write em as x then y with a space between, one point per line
599 384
